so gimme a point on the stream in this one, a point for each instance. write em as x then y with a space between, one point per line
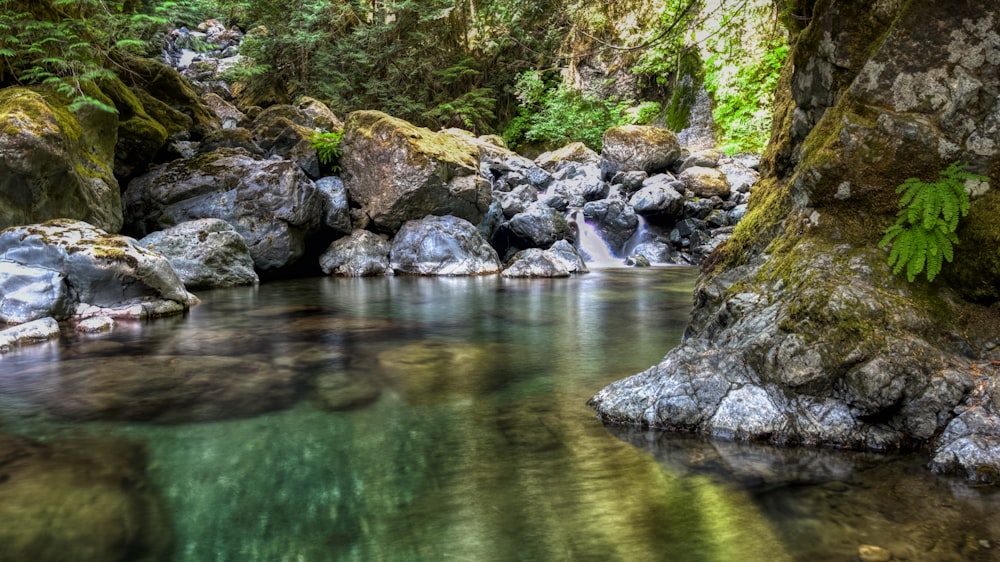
445 419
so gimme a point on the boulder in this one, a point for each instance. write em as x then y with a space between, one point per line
397 172
573 152
205 253
319 115
361 254
237 137
167 96
140 137
579 183
540 226
55 163
705 182
85 499
638 147
36 331
516 200
442 246
228 114
560 260
658 200
272 204
65 268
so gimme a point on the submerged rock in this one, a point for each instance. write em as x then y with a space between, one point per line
205 253
65 268
560 260
442 246
84 499
162 389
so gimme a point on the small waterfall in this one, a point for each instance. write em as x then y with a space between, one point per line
592 247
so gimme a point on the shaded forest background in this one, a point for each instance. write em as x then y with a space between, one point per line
540 73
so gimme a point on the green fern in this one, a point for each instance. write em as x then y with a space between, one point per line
327 147
923 237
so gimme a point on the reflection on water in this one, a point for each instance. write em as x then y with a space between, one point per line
438 419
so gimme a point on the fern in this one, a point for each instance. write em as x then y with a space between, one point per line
327 147
923 237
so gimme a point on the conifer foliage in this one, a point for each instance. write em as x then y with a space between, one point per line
923 237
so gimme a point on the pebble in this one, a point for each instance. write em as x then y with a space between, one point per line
870 553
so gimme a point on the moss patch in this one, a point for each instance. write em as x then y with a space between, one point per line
426 143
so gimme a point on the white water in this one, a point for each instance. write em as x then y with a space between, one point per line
595 251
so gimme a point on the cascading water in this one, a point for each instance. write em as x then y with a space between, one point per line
593 248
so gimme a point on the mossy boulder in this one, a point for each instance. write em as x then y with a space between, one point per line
55 163
398 172
573 152
140 137
320 116
801 334
284 131
638 147
151 79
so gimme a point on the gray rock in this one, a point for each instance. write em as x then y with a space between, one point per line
615 219
270 203
573 152
361 254
561 260
397 172
336 207
540 226
442 246
657 200
36 331
205 253
516 200
657 253
284 132
706 158
90 273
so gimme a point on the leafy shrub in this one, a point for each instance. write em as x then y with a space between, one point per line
923 236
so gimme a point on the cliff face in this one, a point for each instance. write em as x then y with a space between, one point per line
800 333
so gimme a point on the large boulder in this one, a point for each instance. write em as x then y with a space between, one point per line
66 268
167 96
442 246
638 147
336 207
55 163
361 254
657 198
398 172
283 131
272 204
89 500
205 253
801 334
705 182
576 152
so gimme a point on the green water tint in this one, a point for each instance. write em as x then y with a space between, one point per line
445 419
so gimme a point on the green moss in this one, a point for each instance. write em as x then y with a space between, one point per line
975 271
682 98
31 108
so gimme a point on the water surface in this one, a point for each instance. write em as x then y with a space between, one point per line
445 419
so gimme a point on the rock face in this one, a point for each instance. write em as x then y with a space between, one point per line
800 333
88 497
205 253
66 268
442 246
397 172
638 147
270 203
56 164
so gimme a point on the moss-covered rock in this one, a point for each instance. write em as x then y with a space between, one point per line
140 137
396 171
638 147
56 163
160 82
800 333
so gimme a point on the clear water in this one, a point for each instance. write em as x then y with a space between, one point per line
445 419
